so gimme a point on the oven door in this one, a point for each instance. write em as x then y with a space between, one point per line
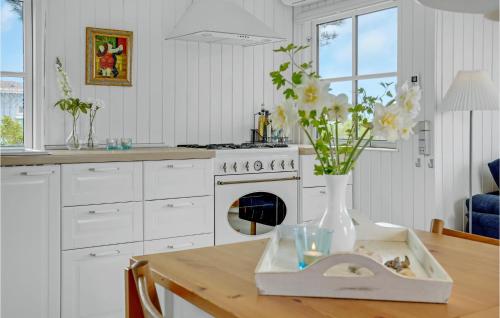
249 207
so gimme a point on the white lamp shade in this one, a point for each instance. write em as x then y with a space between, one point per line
471 90
465 6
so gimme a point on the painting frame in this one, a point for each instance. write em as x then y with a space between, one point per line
110 76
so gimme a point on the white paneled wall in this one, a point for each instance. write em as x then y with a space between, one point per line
387 184
464 42
182 92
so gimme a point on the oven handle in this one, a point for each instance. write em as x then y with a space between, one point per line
258 181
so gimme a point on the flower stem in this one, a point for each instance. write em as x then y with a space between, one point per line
315 149
351 155
337 142
353 161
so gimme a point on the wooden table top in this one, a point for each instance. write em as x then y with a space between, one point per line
220 281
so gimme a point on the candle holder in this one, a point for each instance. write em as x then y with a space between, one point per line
312 243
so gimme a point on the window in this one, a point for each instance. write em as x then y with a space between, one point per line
357 50
15 73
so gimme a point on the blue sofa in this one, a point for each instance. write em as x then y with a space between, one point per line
485 208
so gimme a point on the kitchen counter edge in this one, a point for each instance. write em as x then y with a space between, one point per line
101 155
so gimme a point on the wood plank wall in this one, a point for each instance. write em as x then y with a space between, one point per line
182 92
463 42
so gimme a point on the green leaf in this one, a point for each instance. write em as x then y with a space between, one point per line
289 93
284 66
297 78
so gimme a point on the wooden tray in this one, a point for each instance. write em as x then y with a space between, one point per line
277 272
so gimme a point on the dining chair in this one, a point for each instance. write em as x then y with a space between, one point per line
437 226
140 292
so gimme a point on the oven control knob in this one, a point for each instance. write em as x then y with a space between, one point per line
282 164
272 164
292 164
247 166
257 165
224 167
235 167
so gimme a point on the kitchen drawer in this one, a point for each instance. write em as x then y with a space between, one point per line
178 243
92 280
178 179
314 202
309 179
178 217
101 183
105 224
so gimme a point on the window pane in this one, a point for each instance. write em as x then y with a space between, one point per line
11 111
377 42
342 88
11 35
374 88
335 48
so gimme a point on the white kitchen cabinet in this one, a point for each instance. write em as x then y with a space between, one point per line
92 280
178 217
178 178
93 225
96 183
172 305
30 241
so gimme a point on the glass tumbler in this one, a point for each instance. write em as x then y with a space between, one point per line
312 243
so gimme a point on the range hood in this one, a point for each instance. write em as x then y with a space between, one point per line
222 22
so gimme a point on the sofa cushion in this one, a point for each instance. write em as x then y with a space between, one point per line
485 224
488 203
494 169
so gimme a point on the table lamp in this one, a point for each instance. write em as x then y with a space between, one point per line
470 91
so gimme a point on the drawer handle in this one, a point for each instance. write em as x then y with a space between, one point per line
173 247
322 191
104 211
37 173
109 253
180 205
182 166
104 169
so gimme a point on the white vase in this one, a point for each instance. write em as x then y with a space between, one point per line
336 216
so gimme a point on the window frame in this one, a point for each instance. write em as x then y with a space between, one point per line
355 77
26 75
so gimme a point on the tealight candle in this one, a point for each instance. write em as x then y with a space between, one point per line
312 255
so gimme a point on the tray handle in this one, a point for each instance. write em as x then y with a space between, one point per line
321 266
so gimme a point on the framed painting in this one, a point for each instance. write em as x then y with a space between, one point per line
108 57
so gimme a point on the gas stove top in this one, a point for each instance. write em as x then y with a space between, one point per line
230 146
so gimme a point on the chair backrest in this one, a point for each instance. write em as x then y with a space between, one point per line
141 292
437 226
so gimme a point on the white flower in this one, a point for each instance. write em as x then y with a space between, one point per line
406 128
387 122
312 93
338 107
409 99
63 80
284 117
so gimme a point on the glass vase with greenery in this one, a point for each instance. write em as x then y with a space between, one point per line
72 105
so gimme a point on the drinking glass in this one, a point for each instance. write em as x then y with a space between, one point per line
312 243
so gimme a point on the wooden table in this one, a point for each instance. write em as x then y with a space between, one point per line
220 281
